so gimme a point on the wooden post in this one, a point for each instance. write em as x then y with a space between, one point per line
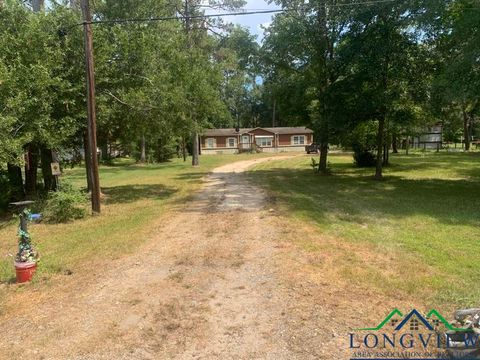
195 143
38 5
92 126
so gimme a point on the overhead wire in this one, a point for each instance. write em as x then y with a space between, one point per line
244 12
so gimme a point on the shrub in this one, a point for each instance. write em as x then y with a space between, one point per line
165 149
363 142
364 159
65 205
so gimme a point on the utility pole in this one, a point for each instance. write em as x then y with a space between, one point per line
195 142
92 126
38 5
187 21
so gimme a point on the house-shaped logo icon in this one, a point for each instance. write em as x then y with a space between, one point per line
414 318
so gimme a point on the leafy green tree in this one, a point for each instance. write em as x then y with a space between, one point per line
386 67
238 57
454 33
45 89
301 51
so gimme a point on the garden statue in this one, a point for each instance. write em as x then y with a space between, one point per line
27 257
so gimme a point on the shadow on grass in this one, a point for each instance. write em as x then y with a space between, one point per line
111 170
10 281
354 196
5 221
190 176
134 192
79 172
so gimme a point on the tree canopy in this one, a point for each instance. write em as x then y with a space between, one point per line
383 70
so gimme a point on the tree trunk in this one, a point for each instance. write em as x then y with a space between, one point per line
466 129
322 165
274 111
387 155
386 152
407 145
322 49
394 144
184 149
143 151
87 162
49 181
381 129
31 167
16 182
195 155
105 154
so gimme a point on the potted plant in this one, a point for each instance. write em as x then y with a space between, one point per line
27 257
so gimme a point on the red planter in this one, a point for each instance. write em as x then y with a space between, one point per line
25 271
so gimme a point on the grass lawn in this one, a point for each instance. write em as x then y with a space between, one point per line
136 195
416 234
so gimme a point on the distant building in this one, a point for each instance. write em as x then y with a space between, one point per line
430 139
277 139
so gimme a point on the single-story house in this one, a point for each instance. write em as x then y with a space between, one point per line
276 139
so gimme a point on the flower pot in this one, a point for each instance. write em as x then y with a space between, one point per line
25 271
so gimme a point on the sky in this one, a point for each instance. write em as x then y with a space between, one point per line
254 22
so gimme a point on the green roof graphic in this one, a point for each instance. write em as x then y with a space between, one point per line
382 324
442 319
431 313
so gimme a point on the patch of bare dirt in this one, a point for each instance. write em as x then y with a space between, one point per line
222 279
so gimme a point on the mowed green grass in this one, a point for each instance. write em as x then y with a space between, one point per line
136 195
421 225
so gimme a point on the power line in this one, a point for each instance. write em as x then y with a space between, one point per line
238 13
181 17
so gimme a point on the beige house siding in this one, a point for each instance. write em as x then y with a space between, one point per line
221 141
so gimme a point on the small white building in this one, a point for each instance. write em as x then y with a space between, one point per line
430 139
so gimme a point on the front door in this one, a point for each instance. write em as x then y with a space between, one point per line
245 142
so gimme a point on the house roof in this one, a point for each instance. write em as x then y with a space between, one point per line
275 130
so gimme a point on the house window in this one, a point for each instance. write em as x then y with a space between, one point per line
231 142
298 140
264 141
210 142
414 324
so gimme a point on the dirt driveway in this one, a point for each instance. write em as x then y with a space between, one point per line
221 279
